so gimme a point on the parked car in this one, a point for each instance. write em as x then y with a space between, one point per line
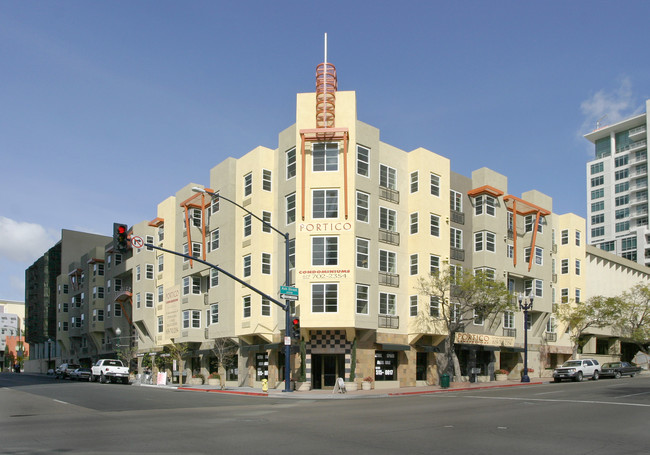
618 369
80 374
576 370
109 370
63 371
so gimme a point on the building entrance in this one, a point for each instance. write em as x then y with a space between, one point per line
326 368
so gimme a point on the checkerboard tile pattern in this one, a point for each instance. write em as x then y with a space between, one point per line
328 342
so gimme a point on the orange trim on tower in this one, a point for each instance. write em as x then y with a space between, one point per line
156 222
492 191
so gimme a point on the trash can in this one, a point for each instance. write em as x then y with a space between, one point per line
444 381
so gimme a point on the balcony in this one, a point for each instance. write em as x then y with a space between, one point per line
390 237
389 279
388 194
550 336
510 333
457 254
638 132
634 146
388 322
457 217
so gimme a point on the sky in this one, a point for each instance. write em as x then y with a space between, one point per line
109 107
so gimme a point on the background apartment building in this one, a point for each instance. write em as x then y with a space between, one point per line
617 189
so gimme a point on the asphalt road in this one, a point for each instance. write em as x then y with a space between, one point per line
41 415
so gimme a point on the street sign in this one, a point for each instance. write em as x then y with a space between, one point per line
288 293
137 242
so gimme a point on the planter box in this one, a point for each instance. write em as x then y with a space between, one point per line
303 386
195 381
351 386
365 385
213 381
500 377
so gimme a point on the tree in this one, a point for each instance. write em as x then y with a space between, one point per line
633 317
225 350
462 297
177 351
595 312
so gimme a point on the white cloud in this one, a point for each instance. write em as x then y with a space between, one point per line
609 107
24 242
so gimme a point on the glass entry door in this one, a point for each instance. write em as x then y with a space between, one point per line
326 369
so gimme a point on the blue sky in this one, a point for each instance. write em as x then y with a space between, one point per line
107 108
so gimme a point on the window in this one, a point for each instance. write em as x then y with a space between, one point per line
291 208
529 224
362 298
508 320
510 251
413 305
292 253
248 226
324 297
248 184
414 182
196 249
98 269
160 324
247 265
539 288
138 274
148 271
598 219
434 306
266 263
325 157
539 256
455 312
161 294
363 254
387 304
577 295
413 225
213 243
435 225
564 295
266 180
622 174
578 238
363 161
266 218
385 366
484 204
596 181
387 177
325 203
324 250
456 201
577 266
564 237
387 261
550 325
456 238
597 167
246 305
620 213
564 266
621 187
118 310
214 313
434 264
608 246
196 216
363 207
598 206
597 194
387 219
435 185
413 266
484 241
266 307
290 157
478 318
622 200
620 161
214 278
148 299
596 232
623 226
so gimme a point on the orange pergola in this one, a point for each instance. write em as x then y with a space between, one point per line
520 207
197 201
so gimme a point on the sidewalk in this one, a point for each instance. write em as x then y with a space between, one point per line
374 393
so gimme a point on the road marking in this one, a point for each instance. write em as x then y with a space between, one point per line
560 401
547 393
59 401
632 395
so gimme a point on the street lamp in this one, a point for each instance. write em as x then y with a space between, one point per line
49 353
287 305
525 303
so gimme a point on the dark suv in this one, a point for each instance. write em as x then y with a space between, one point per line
63 371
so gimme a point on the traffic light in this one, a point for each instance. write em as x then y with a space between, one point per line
120 240
295 329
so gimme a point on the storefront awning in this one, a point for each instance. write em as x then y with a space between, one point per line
507 349
395 347
429 348
260 347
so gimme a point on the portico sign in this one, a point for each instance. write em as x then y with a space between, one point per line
484 340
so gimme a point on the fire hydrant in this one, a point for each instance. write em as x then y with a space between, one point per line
265 385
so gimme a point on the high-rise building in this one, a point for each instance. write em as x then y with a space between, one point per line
617 189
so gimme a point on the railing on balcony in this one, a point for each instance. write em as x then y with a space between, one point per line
388 194
389 279
550 336
387 236
457 217
388 322
511 234
632 146
457 254
554 278
510 333
637 130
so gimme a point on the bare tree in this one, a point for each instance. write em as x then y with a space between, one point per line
225 350
595 312
177 351
462 297
633 317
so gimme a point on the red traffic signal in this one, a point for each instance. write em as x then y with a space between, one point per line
295 328
120 237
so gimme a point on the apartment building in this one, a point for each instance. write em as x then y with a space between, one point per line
617 189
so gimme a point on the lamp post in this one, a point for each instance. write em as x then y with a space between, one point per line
287 304
525 303
49 353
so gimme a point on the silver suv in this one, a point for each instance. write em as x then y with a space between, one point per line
576 370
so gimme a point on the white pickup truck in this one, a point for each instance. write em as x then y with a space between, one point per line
109 370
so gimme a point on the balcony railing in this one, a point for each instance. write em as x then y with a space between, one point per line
389 279
457 254
388 322
550 336
637 131
387 236
388 194
510 333
457 217
633 146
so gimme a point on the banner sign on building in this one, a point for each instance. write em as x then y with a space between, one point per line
484 340
172 319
